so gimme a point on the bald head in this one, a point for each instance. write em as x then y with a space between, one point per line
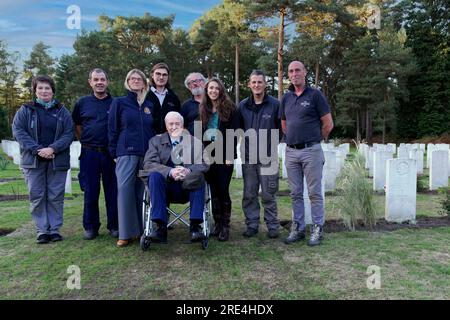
297 74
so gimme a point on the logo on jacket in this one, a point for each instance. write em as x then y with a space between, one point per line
147 110
266 116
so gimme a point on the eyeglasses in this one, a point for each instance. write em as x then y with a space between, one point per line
158 74
196 81
135 79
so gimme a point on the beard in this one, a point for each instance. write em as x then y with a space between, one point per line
197 91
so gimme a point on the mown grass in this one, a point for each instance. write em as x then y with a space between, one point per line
414 263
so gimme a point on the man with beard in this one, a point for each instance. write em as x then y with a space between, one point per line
195 82
90 116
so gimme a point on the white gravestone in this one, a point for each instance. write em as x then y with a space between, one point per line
379 170
417 154
307 202
75 151
370 159
438 169
330 170
68 186
402 152
401 188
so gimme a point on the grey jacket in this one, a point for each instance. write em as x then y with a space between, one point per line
25 131
160 151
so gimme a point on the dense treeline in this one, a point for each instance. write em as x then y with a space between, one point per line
390 82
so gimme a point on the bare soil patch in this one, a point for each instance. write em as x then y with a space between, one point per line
333 225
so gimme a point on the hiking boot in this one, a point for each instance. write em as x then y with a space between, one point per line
316 236
55 237
90 235
273 233
43 238
295 235
250 232
114 233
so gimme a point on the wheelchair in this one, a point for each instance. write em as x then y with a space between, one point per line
174 216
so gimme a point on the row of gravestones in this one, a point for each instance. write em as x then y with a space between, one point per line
398 176
438 162
12 149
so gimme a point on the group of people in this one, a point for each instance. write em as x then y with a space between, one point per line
149 130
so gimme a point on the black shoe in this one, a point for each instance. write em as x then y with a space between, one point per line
55 237
295 235
316 235
196 232
90 235
114 233
273 233
43 238
160 234
250 232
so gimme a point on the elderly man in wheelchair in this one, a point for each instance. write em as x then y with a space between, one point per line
174 166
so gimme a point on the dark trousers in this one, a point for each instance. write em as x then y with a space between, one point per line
219 178
96 166
163 192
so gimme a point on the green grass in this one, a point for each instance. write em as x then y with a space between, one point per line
414 263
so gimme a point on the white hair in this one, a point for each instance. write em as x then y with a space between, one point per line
191 74
174 114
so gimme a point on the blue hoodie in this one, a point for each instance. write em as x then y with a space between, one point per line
130 126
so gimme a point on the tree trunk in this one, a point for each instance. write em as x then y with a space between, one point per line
358 130
236 75
316 82
280 54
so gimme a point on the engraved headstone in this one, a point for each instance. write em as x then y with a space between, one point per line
379 171
438 169
401 187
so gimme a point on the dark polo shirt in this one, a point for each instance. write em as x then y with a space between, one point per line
302 114
92 114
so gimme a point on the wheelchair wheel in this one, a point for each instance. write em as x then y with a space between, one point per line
146 209
207 216
145 243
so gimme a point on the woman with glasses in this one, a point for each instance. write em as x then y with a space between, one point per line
163 98
130 127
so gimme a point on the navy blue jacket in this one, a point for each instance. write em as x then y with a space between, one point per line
264 116
92 114
190 110
25 130
171 103
130 126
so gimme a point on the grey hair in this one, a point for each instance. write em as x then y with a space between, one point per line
190 74
175 114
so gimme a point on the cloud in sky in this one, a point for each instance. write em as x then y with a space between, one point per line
23 23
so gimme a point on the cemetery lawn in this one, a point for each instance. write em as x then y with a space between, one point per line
414 263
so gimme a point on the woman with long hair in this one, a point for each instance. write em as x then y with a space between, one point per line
130 127
218 113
